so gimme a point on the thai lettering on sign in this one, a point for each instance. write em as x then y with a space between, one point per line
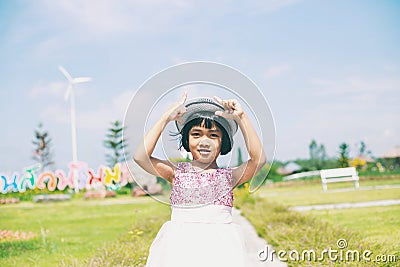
79 175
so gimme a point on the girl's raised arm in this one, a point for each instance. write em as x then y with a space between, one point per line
248 169
143 154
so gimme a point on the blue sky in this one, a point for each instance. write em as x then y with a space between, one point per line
330 70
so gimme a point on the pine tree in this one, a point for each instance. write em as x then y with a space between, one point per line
115 143
343 155
43 152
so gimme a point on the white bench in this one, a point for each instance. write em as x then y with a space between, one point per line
339 175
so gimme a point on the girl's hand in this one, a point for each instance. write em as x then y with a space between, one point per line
177 110
233 110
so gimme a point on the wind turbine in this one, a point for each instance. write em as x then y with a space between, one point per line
70 94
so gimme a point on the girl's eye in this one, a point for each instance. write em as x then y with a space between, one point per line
215 135
195 134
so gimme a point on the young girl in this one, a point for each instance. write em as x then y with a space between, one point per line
201 232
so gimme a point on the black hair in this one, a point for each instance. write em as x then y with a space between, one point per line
226 145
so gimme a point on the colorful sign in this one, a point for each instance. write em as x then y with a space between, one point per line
79 175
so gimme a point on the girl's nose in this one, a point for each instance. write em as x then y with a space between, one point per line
205 142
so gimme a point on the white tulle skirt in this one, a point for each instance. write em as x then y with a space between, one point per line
201 236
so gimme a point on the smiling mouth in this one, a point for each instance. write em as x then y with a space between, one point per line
204 152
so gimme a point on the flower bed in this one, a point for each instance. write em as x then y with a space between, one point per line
9 200
8 235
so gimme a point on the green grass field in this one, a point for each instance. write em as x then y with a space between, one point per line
79 232
376 224
311 193
290 230
375 228
118 232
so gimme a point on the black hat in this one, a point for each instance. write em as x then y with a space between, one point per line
206 107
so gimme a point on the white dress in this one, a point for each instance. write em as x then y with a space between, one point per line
200 232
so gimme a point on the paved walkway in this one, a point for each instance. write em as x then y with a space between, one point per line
361 188
375 203
350 189
255 244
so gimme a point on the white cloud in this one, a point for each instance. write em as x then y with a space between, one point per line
75 21
388 133
96 119
268 6
275 71
342 109
99 119
54 27
52 88
357 85
390 67
342 121
99 19
121 101
56 113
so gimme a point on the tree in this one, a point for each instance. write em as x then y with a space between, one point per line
313 148
42 152
239 162
240 158
115 143
317 155
322 153
362 150
343 160
361 160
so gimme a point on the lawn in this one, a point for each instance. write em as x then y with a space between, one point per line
118 232
377 224
79 231
374 228
289 230
310 193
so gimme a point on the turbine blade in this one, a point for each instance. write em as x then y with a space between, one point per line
81 80
66 74
68 92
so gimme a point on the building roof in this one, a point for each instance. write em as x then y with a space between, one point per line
392 153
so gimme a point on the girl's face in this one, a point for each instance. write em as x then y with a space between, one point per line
205 144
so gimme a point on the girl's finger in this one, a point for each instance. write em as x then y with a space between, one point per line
183 99
231 104
182 110
224 114
219 100
234 102
227 104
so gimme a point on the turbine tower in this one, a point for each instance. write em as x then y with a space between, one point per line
70 94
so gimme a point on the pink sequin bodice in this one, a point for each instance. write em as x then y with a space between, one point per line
192 187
